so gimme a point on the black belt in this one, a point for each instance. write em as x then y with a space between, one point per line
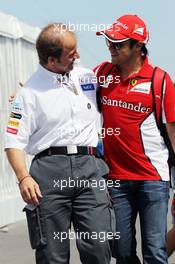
69 150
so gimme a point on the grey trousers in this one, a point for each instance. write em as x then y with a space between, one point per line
74 191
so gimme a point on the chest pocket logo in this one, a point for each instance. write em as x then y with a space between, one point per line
141 87
87 82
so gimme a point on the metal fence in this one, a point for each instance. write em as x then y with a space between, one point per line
18 60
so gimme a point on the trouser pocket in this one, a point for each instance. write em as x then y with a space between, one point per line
35 226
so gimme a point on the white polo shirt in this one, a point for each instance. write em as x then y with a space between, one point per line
50 112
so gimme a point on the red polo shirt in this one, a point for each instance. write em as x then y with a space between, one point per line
133 146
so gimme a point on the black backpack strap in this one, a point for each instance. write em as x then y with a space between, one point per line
157 89
157 86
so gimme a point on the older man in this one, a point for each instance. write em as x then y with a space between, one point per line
54 118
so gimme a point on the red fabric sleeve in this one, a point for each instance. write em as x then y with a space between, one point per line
169 101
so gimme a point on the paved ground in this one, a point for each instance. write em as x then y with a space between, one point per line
15 248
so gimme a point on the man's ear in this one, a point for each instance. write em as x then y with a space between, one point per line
51 61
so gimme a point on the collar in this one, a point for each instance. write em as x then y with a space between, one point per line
145 71
56 77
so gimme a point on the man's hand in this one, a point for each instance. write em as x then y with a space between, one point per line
171 133
29 188
30 191
12 96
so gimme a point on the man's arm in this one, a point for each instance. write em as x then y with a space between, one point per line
29 188
171 133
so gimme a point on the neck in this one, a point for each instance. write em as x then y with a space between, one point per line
52 69
130 67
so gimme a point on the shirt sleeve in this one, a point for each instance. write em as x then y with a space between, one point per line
21 123
168 104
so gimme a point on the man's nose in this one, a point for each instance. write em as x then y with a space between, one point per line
77 55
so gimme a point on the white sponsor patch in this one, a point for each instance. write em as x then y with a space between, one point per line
142 88
139 31
16 107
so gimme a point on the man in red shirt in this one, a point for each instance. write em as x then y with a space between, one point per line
137 156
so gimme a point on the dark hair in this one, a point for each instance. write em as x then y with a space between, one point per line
49 42
144 51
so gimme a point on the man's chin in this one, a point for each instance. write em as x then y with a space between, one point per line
114 61
71 66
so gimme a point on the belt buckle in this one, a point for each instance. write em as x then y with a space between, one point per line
72 149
